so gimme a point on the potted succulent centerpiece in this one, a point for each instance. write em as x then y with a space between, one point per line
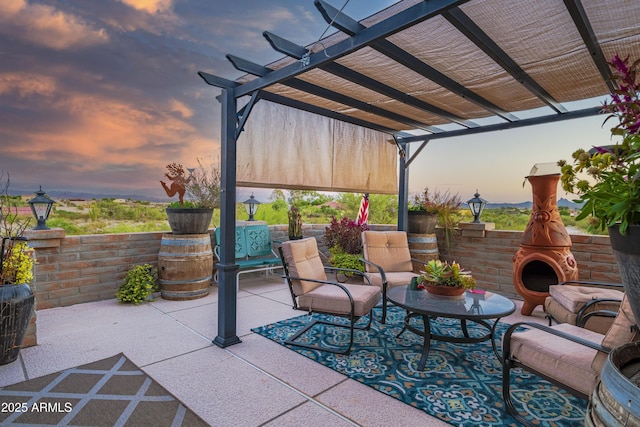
441 278
16 272
611 190
202 188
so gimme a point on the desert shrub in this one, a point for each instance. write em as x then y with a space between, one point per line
139 283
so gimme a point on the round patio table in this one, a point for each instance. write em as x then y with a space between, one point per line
476 306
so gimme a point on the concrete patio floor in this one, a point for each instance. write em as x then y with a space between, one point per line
254 383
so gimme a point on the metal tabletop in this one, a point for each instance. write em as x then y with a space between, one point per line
470 306
475 306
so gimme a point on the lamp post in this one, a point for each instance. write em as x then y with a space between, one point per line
251 206
476 205
41 208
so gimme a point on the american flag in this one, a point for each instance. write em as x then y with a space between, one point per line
363 213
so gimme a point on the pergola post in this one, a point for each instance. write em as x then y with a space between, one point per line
227 268
403 187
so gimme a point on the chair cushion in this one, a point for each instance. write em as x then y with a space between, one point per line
573 298
563 360
388 249
599 324
619 333
394 278
332 299
303 260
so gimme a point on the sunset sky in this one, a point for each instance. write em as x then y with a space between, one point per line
98 96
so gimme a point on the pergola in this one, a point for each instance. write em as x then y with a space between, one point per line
414 72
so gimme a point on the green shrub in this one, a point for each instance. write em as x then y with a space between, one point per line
139 283
343 260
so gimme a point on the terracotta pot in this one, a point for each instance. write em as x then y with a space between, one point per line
449 291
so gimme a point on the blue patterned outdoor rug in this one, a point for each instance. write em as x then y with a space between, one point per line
461 383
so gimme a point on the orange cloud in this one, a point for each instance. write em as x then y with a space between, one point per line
181 108
26 84
96 129
149 6
46 26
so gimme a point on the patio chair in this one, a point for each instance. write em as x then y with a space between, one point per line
590 305
566 355
312 292
387 261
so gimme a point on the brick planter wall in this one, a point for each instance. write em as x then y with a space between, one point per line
490 258
91 268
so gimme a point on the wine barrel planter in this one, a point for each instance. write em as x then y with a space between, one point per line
16 309
423 247
421 222
185 266
615 402
189 220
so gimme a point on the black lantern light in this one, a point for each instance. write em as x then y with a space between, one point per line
251 206
41 208
476 205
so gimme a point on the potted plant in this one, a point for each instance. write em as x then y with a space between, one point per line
344 240
295 223
138 285
441 278
202 187
611 191
431 208
16 272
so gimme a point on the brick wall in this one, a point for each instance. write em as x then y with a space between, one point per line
90 268
490 258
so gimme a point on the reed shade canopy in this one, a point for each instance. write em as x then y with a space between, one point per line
412 68
414 72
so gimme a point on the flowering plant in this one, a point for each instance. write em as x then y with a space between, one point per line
16 256
612 195
441 273
17 264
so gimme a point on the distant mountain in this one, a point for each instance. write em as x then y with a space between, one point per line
73 195
527 205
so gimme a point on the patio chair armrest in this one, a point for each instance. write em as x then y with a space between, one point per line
506 339
349 270
582 318
377 267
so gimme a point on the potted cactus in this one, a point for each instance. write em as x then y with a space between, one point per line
295 223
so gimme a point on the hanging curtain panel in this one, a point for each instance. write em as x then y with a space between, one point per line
282 147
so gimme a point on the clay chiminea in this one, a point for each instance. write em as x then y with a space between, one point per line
544 257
